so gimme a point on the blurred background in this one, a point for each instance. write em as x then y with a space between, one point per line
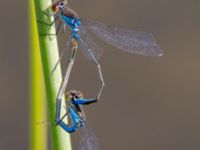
147 104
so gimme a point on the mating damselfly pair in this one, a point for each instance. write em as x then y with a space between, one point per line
82 33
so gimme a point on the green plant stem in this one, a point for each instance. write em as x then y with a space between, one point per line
49 52
38 139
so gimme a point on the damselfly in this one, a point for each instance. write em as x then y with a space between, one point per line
83 33
77 119
74 111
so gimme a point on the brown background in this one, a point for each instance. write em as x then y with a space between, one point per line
147 104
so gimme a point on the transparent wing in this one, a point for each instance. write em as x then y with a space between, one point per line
86 43
88 140
128 40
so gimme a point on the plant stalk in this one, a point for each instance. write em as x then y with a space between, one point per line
60 140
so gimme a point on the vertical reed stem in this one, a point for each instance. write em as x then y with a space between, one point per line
60 140
38 101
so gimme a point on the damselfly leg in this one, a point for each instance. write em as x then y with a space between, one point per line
50 24
53 34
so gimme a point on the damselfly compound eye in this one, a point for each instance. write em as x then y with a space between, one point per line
54 7
62 5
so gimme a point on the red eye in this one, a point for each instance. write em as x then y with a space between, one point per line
53 7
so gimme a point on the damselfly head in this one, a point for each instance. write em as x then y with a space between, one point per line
73 94
59 5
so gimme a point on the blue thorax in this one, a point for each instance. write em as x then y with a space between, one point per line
73 23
